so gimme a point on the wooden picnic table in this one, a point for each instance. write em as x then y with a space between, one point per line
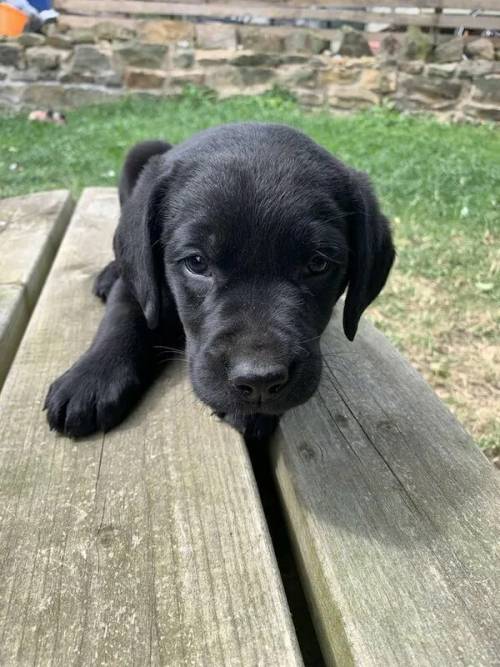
31 228
149 544
457 14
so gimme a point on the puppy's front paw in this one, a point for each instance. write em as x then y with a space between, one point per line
105 280
91 396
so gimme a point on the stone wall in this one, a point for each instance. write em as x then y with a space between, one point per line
455 79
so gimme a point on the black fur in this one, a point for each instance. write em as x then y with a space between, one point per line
135 161
241 239
105 280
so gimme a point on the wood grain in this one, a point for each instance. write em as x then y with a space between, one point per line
394 513
146 546
31 228
283 5
224 11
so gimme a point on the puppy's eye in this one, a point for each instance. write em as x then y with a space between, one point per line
317 265
196 264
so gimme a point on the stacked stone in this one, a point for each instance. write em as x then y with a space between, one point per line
455 78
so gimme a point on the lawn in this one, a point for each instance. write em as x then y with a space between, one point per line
439 183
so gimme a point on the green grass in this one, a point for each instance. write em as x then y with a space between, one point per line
439 183
443 181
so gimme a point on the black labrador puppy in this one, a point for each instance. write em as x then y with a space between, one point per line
241 239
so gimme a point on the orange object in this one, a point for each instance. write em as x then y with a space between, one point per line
12 21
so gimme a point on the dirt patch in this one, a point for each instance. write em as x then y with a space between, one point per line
455 348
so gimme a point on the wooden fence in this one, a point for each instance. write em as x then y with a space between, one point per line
475 15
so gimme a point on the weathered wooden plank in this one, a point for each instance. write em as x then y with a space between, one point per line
394 513
31 228
218 11
144 546
479 5
78 21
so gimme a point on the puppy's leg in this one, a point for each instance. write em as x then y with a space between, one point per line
259 428
105 280
254 428
98 391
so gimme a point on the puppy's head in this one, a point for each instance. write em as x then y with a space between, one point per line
254 232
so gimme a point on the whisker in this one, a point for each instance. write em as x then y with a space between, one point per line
186 393
165 360
308 340
177 355
338 354
169 349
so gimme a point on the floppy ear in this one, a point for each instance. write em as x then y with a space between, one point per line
371 252
137 242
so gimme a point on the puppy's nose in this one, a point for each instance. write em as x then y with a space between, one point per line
258 381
